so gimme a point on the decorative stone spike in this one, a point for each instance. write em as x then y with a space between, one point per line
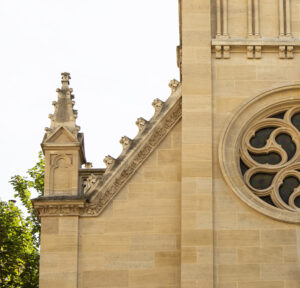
64 115
173 85
65 79
158 105
125 141
48 130
88 165
75 113
141 123
109 161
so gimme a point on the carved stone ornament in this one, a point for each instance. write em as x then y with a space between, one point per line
64 114
125 142
63 207
144 144
260 153
109 161
141 123
173 85
158 105
89 182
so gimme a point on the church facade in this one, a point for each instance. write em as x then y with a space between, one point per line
208 192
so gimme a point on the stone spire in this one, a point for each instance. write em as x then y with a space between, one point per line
64 114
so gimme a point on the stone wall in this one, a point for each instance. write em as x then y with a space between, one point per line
135 242
251 249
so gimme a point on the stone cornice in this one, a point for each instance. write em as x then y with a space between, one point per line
286 41
60 207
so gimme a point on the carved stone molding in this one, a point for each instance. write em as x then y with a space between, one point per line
260 150
105 189
63 207
254 47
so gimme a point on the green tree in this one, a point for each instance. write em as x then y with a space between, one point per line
20 232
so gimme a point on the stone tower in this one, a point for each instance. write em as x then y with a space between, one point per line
208 192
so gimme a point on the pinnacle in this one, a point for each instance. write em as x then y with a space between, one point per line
64 115
65 80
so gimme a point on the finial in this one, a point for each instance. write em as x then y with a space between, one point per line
88 165
173 85
157 104
141 123
125 141
109 161
65 80
64 115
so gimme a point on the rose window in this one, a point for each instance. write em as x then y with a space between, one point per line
270 158
259 153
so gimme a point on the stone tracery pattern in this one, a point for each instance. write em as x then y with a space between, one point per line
270 158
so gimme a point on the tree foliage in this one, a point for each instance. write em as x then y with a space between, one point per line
20 232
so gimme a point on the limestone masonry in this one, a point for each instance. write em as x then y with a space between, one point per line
207 195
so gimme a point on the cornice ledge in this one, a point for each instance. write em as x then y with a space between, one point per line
58 206
285 41
142 146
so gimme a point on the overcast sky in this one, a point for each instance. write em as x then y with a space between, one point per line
121 56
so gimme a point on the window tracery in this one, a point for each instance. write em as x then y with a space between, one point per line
270 160
259 153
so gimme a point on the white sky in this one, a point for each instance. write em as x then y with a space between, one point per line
121 55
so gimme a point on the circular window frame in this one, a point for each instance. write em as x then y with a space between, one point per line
266 103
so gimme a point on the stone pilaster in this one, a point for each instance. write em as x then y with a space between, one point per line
197 213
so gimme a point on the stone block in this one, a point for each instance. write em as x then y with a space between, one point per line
278 237
234 238
197 237
105 278
238 271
